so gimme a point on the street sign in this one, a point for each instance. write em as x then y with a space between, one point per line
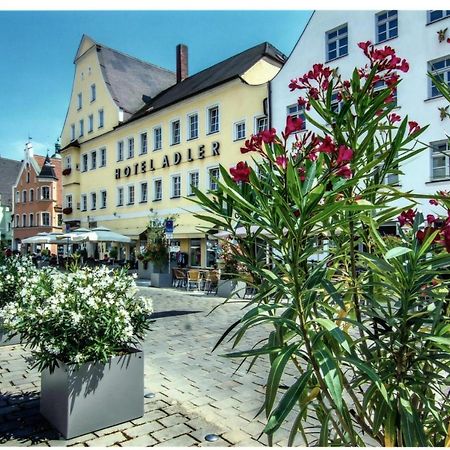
169 226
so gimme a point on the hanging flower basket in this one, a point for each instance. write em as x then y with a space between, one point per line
67 171
67 211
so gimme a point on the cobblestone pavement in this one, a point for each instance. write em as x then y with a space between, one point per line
197 392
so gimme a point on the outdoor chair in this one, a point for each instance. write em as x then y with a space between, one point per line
212 282
250 289
193 278
179 278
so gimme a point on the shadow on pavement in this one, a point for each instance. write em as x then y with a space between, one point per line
172 313
20 420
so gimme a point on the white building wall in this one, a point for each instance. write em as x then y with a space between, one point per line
417 42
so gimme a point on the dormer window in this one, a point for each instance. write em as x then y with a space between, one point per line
80 100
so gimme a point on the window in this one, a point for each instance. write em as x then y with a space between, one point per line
195 252
193 126
102 157
81 127
440 160
239 130
93 160
213 119
84 162
120 151
31 195
46 222
24 220
131 195
143 143
17 197
101 118
387 25
93 200
80 100
336 103
83 202
60 219
103 199
157 138
144 192
31 220
69 201
157 190
261 124
45 193
297 111
24 196
17 220
440 68
213 177
380 86
93 93
337 42
91 123
175 127
176 186
435 15
28 177
72 132
120 196
130 148
67 162
193 182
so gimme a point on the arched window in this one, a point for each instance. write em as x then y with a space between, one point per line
31 195
17 220
28 177
17 197
31 220
24 196
24 220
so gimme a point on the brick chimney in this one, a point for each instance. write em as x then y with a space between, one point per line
182 62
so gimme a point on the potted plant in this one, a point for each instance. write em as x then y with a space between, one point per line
67 171
230 282
84 328
15 272
67 211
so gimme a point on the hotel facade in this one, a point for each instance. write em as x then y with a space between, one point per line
331 38
137 137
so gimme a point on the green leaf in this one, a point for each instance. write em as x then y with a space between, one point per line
324 431
287 403
396 252
335 332
276 370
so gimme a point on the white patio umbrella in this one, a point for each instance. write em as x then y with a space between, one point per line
242 232
78 235
103 234
40 238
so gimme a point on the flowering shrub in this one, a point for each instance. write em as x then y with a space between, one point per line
366 327
89 314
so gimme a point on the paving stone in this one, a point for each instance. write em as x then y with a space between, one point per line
141 441
171 432
107 440
181 441
236 436
145 428
110 430
174 419
76 440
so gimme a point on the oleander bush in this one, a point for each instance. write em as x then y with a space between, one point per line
361 336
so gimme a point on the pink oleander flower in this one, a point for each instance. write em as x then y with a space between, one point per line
392 118
293 124
345 154
327 145
406 217
344 171
281 161
413 127
431 219
268 136
433 202
241 172
254 144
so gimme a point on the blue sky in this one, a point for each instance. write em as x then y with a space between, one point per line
38 48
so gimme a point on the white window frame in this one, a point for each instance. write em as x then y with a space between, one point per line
72 132
173 135
24 220
101 118
391 15
236 130
91 123
83 202
81 123
49 193
17 196
17 221
84 162
157 180
208 119
173 193
189 184
444 71
143 143
46 214
103 198
446 13
31 220
31 195
155 147
120 196
257 119
131 201
93 198
80 101
143 198
336 39
68 201
102 162
120 151
24 196
93 159
93 92
130 147
439 154
68 162
295 110
211 186
190 130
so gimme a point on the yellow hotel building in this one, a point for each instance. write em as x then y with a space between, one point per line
136 137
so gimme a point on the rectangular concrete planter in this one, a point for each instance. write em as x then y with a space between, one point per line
95 396
226 288
162 280
4 340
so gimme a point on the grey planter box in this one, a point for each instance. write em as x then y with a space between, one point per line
226 288
144 272
4 338
95 396
162 280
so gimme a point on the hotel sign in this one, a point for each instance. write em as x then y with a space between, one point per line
177 158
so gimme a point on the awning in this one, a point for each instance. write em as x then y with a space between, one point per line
186 231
